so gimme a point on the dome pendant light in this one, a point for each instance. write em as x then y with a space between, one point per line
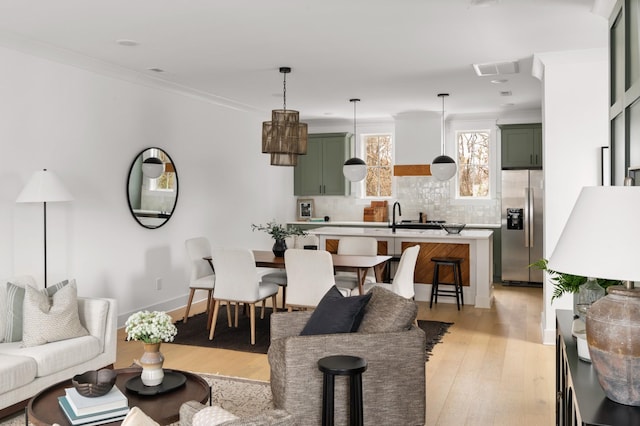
152 167
443 167
354 169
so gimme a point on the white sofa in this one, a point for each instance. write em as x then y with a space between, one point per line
25 371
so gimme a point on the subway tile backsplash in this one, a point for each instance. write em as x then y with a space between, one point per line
416 194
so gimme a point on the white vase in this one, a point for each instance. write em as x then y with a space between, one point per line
151 362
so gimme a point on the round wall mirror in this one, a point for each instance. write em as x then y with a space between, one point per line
152 189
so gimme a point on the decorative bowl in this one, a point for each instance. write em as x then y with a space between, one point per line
94 383
453 228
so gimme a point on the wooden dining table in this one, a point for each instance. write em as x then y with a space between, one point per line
341 262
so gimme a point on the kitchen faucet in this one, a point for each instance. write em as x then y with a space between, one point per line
393 220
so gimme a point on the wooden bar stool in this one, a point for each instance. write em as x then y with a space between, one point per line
454 262
342 365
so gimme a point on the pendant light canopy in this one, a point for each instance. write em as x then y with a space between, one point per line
284 137
354 169
443 167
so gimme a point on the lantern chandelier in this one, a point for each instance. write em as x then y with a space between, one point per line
443 167
284 137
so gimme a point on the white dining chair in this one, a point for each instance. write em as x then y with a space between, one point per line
402 283
309 277
280 277
202 276
237 281
363 246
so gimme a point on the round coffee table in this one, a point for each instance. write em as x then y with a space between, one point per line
43 409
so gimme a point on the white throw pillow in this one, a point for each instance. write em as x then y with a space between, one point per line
137 417
14 302
48 320
214 415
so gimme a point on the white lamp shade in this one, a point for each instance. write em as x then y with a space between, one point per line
44 186
355 169
443 168
600 238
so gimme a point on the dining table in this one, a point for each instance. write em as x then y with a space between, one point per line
341 262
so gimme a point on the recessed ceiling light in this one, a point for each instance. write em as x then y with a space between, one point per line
156 69
128 43
500 81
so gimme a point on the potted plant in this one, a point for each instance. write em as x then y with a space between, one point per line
151 328
567 283
278 232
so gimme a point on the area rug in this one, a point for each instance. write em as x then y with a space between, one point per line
194 333
242 397
434 331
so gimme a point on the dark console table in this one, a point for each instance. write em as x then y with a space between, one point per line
580 399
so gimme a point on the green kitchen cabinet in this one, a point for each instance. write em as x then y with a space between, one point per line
319 172
521 146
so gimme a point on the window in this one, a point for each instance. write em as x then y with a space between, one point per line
379 165
473 163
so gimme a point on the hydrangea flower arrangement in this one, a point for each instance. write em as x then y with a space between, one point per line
150 327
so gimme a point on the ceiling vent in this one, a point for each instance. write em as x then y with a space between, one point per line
506 93
496 68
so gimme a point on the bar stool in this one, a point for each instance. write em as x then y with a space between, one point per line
342 365
454 262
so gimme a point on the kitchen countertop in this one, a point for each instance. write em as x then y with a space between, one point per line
384 224
473 234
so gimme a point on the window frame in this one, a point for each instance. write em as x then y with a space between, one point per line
362 146
490 126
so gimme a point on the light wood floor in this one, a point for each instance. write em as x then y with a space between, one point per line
491 368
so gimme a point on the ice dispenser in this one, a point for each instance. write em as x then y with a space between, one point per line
514 218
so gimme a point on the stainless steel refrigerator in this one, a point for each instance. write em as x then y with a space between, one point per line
521 233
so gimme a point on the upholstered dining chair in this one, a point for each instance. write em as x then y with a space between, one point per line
280 277
237 281
363 246
202 276
309 277
402 283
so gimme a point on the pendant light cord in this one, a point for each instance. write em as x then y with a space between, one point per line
355 137
442 149
284 91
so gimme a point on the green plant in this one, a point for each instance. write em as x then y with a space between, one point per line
567 283
278 231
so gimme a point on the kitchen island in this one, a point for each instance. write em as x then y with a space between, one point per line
475 246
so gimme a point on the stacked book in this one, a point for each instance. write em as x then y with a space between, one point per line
81 410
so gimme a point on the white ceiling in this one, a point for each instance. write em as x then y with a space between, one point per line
396 55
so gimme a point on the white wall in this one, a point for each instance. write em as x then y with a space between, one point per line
575 117
87 128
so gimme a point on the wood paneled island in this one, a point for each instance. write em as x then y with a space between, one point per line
474 246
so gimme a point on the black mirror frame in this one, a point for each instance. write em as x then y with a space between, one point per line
175 202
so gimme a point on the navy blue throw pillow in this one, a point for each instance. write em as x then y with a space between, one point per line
336 314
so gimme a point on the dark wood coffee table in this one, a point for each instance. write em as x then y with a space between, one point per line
43 409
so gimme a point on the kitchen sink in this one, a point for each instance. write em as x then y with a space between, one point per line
418 225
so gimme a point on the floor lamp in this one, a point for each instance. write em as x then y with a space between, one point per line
44 187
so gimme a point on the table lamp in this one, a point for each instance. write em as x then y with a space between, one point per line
44 187
600 239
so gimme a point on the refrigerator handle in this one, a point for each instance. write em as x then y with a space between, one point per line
530 213
526 218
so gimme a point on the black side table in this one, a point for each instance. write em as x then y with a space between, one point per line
342 365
